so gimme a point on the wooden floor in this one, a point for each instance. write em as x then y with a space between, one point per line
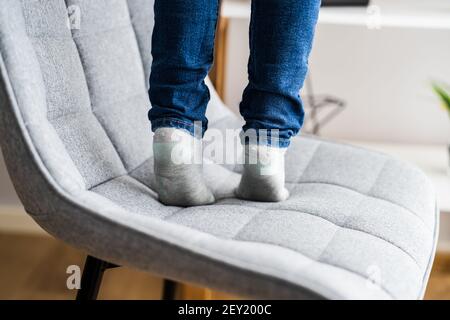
34 267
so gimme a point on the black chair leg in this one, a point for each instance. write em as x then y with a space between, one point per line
92 278
169 290
93 275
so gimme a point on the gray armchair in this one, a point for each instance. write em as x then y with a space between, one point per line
77 143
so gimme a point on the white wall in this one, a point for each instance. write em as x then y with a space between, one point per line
383 75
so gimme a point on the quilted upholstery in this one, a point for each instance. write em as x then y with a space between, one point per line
77 143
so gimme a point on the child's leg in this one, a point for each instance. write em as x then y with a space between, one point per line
182 49
281 34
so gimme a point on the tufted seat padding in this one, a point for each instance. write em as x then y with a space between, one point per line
77 143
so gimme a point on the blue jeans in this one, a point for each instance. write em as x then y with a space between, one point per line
281 35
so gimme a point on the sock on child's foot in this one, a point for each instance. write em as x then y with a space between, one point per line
178 169
263 177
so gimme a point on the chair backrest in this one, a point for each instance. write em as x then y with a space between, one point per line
73 92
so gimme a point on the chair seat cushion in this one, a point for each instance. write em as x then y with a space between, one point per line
358 224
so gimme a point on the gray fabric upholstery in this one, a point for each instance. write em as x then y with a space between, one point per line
77 143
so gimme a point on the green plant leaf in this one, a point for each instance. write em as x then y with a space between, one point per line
443 95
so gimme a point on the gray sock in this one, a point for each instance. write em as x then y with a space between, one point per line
178 169
263 177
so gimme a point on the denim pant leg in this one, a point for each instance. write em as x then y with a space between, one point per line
281 35
182 49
